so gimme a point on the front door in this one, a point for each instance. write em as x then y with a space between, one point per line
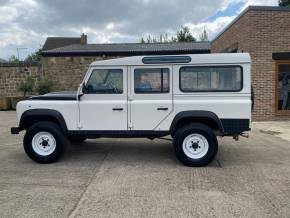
104 103
150 96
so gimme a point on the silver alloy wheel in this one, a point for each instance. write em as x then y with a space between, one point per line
43 143
195 146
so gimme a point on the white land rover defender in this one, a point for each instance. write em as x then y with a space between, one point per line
192 98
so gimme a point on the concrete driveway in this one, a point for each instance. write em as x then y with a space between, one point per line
142 178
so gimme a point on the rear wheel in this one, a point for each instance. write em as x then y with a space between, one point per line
195 145
44 142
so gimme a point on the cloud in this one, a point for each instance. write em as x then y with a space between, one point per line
26 23
213 27
217 25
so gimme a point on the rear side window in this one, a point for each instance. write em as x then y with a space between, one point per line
151 80
215 78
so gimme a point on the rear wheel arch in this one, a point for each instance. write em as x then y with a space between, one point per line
33 116
207 118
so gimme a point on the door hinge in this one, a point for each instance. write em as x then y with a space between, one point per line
79 126
130 125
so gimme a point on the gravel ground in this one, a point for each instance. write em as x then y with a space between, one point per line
142 178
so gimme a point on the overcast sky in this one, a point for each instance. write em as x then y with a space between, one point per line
27 23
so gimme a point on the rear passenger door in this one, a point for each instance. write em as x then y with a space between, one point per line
150 96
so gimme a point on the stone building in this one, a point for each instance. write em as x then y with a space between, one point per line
264 32
68 65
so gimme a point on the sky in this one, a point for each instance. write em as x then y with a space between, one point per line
25 24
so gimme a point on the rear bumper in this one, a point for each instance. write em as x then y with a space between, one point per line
15 130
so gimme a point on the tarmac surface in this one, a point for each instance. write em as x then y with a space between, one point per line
142 178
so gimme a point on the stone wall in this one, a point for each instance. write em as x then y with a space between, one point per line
11 75
260 33
68 72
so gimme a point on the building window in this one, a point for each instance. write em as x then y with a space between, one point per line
283 87
105 81
151 80
214 78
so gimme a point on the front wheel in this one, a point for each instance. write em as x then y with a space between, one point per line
44 142
195 145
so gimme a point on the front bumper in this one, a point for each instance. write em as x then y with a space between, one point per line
15 130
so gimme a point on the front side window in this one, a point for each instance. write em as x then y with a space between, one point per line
283 88
105 81
219 78
151 80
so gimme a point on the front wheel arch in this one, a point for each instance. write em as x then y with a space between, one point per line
31 117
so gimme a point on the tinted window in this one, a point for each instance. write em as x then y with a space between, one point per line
210 79
151 80
105 81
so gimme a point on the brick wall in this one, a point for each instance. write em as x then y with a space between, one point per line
11 76
68 72
260 33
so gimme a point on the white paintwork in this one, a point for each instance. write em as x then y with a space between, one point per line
143 107
68 109
41 148
219 58
195 146
94 111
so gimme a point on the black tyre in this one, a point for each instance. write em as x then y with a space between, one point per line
76 139
44 142
195 145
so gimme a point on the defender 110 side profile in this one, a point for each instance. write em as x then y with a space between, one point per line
192 98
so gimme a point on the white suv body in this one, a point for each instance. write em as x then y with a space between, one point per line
150 96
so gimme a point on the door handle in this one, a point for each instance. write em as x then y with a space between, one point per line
117 109
162 109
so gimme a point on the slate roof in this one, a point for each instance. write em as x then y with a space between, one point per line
3 61
57 42
130 49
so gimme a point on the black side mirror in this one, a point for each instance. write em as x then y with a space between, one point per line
83 90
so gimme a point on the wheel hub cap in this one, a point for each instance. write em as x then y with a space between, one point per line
195 146
43 143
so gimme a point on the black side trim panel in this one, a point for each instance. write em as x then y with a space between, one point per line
166 59
118 134
195 114
41 114
235 125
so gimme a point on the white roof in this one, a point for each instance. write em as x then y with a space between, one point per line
218 58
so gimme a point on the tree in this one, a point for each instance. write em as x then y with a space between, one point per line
13 59
26 86
184 35
34 57
203 37
284 3
44 86
163 37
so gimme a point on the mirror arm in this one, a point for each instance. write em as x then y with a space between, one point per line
81 92
79 96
